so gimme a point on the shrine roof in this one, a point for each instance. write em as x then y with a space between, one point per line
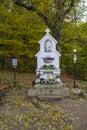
47 35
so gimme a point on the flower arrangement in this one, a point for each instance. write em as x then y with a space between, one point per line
47 67
48 59
51 79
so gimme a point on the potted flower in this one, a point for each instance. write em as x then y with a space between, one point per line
48 59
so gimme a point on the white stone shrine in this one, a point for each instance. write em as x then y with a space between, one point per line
48 60
48 83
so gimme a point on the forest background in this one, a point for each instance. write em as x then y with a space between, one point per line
23 24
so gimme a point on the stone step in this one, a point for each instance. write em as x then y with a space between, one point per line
52 97
59 92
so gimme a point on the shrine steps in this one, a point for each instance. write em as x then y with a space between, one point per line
60 92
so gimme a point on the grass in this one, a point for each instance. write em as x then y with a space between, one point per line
25 80
70 81
22 79
20 113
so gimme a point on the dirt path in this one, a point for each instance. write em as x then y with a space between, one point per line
76 111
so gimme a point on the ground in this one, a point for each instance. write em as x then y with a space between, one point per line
15 112
18 112
76 111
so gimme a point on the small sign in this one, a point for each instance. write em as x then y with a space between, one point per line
14 62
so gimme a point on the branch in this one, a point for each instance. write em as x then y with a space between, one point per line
70 6
63 3
37 104
21 4
43 16
32 8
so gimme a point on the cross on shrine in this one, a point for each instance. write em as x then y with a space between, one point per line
74 60
47 30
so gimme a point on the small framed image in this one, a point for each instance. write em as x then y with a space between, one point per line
14 62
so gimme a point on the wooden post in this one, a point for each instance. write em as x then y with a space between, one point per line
74 61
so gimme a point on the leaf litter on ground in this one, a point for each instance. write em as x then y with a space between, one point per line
23 114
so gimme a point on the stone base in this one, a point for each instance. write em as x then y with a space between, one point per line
48 91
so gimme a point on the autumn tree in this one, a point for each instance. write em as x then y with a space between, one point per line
53 12
19 35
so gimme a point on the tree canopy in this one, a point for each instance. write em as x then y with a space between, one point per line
22 25
53 13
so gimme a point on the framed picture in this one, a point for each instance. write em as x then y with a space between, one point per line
48 46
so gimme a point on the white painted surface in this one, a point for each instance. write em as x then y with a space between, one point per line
48 50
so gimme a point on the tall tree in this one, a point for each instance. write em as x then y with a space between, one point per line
53 13
19 34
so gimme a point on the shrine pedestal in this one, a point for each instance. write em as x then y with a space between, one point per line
48 91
